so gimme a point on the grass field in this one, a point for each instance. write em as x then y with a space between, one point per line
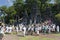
34 38
57 34
40 37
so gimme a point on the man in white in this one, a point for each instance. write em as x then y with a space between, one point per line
24 31
57 28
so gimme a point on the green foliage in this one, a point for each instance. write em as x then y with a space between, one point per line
4 8
19 8
57 17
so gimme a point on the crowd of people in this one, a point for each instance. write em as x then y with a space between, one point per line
30 29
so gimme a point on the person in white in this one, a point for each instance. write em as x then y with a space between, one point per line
32 30
49 29
17 29
21 26
38 30
13 28
10 29
29 27
54 27
24 31
7 29
57 28
2 30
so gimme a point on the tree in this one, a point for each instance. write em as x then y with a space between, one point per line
19 7
11 13
57 18
33 9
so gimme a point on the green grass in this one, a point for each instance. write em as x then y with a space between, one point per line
34 38
47 39
57 34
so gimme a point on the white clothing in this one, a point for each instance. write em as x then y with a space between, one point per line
10 29
2 30
40 28
20 27
57 28
17 29
49 29
24 32
29 28
37 30
7 29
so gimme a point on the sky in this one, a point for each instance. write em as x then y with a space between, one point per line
6 3
10 3
52 1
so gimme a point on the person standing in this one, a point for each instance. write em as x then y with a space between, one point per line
44 28
40 28
54 27
1 32
7 29
10 29
49 29
16 29
58 29
24 31
32 30
37 30
20 26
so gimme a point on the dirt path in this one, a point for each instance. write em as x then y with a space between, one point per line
10 37
15 37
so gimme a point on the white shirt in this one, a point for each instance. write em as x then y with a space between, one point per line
24 28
